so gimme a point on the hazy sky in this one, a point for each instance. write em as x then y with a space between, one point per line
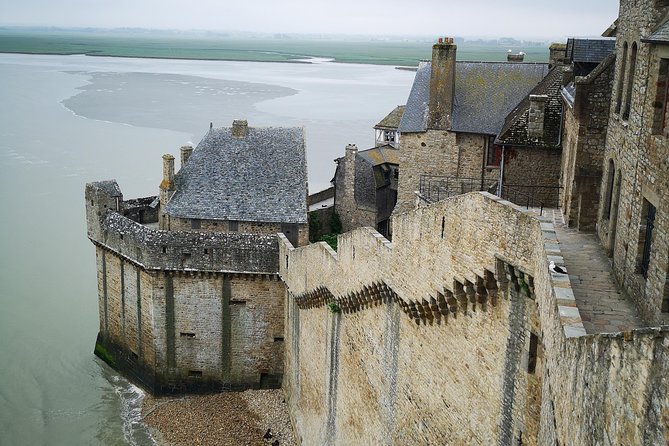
514 18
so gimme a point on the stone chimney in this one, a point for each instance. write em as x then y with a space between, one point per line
349 172
240 128
186 152
442 84
510 57
557 54
166 189
535 121
168 172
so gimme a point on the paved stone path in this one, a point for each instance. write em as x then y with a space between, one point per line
603 307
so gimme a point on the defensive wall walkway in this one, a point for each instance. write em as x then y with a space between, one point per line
604 308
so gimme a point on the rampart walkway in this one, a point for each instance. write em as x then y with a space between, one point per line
603 307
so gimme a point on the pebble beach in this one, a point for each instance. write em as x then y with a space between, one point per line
222 419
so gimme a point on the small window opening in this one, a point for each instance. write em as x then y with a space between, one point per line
621 79
661 96
121 236
195 373
195 224
237 302
630 83
609 190
646 227
443 225
92 204
532 357
665 298
186 335
233 226
494 154
206 250
164 250
278 338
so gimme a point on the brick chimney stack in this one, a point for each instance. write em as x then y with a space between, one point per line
442 84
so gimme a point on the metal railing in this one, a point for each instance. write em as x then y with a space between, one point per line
521 198
435 187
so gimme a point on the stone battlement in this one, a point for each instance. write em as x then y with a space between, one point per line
154 249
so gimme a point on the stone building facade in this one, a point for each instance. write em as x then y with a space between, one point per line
365 184
198 304
633 211
457 124
587 98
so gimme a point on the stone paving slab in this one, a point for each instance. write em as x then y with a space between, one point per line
601 304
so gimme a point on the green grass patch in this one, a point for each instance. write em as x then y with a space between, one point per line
405 53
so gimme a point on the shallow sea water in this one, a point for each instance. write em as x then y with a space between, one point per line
68 120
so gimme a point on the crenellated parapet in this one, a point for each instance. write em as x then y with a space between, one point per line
154 249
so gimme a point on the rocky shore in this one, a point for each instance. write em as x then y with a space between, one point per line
229 418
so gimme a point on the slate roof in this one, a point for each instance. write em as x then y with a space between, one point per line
485 93
261 177
385 154
392 121
414 118
109 187
660 36
589 50
514 132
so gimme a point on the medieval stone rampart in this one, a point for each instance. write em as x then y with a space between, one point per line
457 333
184 310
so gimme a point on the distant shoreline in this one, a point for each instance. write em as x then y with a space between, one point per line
37 53
41 53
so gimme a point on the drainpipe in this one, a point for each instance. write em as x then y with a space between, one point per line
501 173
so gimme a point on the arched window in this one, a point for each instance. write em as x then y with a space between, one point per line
621 79
609 190
630 83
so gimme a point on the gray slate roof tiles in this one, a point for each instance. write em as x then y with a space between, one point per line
110 187
515 133
589 50
661 35
392 120
485 93
261 177
414 118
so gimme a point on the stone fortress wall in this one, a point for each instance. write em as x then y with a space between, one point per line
184 310
457 333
